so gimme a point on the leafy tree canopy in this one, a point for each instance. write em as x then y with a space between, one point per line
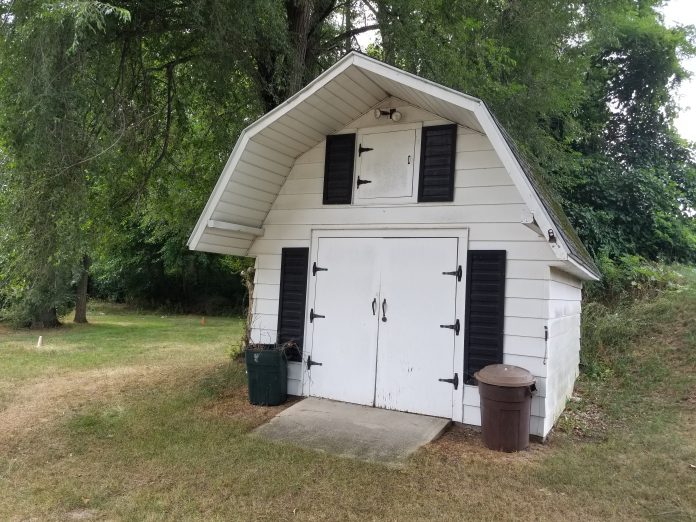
118 117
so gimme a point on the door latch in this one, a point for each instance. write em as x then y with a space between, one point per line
362 149
313 316
363 181
457 272
454 326
311 363
316 269
454 381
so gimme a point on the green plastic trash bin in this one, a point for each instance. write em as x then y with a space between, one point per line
267 371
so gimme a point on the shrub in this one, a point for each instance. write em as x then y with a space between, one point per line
629 278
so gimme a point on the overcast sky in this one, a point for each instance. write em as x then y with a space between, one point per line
676 12
684 12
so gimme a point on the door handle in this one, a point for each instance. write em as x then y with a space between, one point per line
409 159
384 311
374 302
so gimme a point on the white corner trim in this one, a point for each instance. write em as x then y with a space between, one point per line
234 227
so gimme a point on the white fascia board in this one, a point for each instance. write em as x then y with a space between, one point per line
524 186
220 186
253 129
586 274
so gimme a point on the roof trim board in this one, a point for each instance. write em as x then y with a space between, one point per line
385 81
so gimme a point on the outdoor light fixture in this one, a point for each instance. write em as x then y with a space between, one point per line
393 114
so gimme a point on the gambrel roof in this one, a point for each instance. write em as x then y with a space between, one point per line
266 151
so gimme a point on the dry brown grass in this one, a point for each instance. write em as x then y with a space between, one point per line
167 438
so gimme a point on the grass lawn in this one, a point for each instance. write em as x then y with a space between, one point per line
143 417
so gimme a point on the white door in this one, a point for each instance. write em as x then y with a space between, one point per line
344 341
414 351
386 170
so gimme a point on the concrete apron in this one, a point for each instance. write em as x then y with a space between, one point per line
353 431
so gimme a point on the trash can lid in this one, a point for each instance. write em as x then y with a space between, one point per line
505 375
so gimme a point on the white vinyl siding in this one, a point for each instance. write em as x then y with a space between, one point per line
565 296
485 201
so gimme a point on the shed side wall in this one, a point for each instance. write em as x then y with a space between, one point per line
565 296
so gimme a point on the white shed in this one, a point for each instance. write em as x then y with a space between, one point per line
402 242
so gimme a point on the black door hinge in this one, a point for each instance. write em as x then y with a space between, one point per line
313 316
454 380
362 149
454 326
316 269
311 363
457 272
363 181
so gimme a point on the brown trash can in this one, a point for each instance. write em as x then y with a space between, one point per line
506 405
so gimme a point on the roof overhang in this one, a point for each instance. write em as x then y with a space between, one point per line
266 150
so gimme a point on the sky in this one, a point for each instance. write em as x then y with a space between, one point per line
676 12
684 12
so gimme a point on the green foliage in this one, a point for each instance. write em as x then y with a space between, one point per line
633 299
630 278
117 119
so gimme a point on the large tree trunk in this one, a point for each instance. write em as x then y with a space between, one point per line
348 26
299 24
81 295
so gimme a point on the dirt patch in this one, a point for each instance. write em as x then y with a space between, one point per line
461 441
234 403
583 419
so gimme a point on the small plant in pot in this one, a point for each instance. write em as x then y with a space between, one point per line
267 371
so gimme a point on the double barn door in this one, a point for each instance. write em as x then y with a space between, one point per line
383 322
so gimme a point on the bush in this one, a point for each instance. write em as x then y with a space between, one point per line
629 278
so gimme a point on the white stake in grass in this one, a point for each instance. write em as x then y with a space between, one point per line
39 343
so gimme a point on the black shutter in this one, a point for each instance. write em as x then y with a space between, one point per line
485 310
338 169
438 154
294 266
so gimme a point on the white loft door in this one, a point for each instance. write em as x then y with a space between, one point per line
386 171
345 340
414 352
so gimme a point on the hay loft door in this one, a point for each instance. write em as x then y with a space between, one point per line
383 322
384 166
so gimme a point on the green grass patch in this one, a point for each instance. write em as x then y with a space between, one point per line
115 336
176 444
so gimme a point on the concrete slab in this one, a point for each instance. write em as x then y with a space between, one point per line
349 430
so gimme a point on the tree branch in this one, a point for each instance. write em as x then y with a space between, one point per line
355 32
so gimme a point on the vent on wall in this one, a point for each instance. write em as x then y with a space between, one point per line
338 169
485 310
438 155
293 292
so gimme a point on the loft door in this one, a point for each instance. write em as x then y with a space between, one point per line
385 165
